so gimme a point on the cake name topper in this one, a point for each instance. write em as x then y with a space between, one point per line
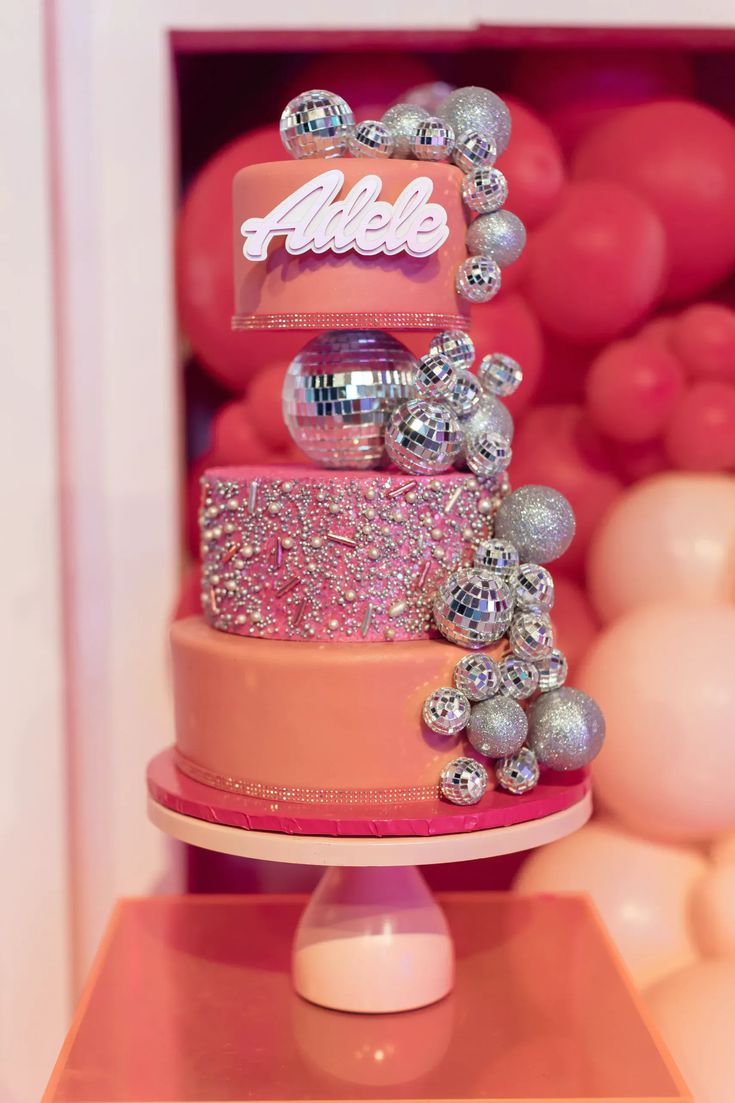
311 220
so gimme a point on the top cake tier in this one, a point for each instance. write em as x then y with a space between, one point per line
374 246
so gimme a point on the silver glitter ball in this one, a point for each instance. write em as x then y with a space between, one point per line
464 781
433 140
480 109
566 729
423 438
497 727
446 711
531 636
473 607
500 235
477 676
487 454
499 374
533 587
478 279
499 557
435 376
492 416
316 124
519 773
538 520
518 678
552 671
464 394
340 391
484 190
403 120
473 149
371 139
456 346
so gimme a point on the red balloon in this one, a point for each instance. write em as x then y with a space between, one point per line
557 446
703 337
631 390
266 409
204 277
680 157
362 79
577 88
192 496
507 325
597 265
533 165
234 437
635 462
700 435
575 624
564 371
658 330
189 601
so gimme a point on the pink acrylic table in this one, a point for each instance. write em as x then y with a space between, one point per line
190 1000
372 938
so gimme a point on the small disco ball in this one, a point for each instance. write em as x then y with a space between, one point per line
464 781
552 671
464 394
519 773
371 139
433 140
478 279
340 391
533 587
456 346
434 376
477 677
499 557
484 190
473 149
473 608
518 678
499 375
446 711
423 438
531 636
487 454
316 124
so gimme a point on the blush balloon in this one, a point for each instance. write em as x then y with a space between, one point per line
664 676
713 911
670 537
533 166
641 889
204 280
694 1009
509 325
631 390
703 338
700 434
679 156
598 264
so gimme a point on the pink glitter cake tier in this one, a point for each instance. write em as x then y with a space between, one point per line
308 554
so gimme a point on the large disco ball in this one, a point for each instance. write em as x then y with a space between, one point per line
340 391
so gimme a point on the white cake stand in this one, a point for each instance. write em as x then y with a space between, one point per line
372 937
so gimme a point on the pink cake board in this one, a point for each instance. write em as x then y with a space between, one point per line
173 790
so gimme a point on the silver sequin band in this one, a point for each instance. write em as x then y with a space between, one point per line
377 319
300 794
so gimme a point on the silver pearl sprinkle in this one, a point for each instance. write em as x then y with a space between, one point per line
456 346
531 636
402 120
316 124
518 678
474 108
519 773
464 781
533 587
473 608
371 139
499 557
435 376
484 190
497 727
477 676
499 375
500 235
487 454
423 438
552 671
474 149
478 279
538 520
566 729
446 711
433 140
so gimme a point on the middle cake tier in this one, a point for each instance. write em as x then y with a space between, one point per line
299 553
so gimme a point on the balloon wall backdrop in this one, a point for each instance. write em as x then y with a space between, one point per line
621 312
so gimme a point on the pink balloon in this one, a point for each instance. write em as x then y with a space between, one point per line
664 676
672 536
714 911
695 1011
642 890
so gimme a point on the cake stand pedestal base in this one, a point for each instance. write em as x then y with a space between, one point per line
373 940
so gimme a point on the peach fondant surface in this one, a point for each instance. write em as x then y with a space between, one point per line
347 290
270 714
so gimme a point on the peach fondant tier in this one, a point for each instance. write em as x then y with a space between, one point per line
301 553
347 289
318 723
